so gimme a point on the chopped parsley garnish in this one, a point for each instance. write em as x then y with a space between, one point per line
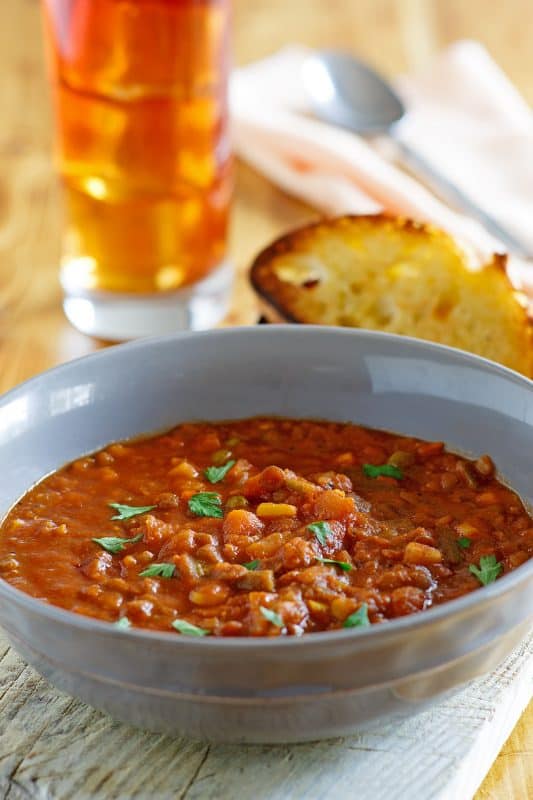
188 628
123 623
342 564
358 619
464 542
389 470
127 512
252 564
114 544
206 504
216 474
271 616
163 570
488 569
321 530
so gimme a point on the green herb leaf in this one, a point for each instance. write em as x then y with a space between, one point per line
123 623
164 570
464 542
321 530
488 569
188 628
206 504
252 564
373 471
127 512
271 616
216 474
358 619
342 564
114 544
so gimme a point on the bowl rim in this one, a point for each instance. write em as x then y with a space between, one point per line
482 596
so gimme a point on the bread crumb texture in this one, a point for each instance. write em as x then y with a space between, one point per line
394 275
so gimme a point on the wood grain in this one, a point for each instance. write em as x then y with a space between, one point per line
50 745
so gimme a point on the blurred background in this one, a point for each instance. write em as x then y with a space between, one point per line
393 35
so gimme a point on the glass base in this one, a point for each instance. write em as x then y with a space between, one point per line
117 316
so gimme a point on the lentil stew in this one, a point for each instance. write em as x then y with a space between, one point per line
264 527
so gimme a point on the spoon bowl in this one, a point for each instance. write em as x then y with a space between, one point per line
346 92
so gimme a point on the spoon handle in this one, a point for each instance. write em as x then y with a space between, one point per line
454 196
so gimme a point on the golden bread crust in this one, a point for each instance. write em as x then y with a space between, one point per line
387 273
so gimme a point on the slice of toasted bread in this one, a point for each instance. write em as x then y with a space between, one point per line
395 275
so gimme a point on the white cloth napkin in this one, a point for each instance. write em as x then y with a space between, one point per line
465 118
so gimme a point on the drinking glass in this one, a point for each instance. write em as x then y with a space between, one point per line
140 95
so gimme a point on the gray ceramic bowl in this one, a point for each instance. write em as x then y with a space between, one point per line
284 689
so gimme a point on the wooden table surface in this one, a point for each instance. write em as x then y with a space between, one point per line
45 737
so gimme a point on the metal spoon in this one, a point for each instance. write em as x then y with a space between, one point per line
345 92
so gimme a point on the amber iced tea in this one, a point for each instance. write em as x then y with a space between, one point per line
140 95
